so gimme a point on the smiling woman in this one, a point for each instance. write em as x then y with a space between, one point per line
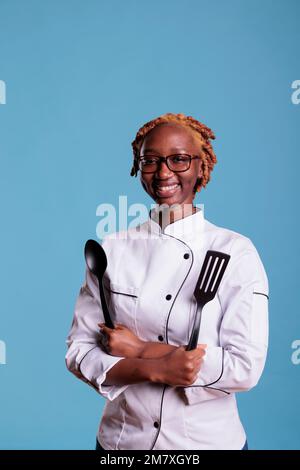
187 136
159 395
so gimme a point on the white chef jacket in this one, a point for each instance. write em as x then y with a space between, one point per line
149 285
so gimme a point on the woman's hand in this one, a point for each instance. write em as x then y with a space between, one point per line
181 367
120 341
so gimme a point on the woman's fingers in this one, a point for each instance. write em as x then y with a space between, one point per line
104 328
117 325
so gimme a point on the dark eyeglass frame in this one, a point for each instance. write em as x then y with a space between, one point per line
165 159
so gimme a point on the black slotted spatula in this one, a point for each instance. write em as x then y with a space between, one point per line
210 277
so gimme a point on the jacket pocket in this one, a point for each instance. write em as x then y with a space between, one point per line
123 304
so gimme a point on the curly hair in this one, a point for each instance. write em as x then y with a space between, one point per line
200 130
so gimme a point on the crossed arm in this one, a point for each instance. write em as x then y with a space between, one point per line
121 341
156 362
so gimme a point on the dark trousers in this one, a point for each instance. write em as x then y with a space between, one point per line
98 447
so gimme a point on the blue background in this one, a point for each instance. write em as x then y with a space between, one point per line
82 77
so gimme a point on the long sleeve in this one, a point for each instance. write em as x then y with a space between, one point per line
85 358
237 363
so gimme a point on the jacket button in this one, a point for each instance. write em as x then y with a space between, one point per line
186 255
168 297
156 424
161 338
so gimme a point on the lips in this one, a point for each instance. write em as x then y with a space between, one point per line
166 189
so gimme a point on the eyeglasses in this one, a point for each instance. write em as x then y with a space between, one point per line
177 163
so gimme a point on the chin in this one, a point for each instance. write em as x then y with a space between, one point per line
168 202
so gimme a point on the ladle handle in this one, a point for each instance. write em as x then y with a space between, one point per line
108 321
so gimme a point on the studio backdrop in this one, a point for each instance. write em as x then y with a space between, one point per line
77 80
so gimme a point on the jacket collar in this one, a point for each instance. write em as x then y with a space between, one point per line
184 228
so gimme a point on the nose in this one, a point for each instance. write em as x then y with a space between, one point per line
163 170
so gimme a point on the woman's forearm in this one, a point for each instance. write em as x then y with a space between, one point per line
135 370
152 350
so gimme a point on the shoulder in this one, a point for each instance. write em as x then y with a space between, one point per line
232 242
131 233
118 241
245 263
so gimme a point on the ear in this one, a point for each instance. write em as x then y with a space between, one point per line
200 175
200 172
197 185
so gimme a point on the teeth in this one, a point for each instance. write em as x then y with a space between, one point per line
167 188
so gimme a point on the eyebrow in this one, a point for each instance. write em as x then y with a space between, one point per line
174 149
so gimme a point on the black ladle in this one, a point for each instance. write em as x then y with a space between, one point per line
96 261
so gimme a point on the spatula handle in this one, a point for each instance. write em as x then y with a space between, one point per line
193 342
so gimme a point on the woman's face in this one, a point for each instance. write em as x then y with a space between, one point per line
168 139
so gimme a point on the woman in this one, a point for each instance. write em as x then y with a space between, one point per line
160 396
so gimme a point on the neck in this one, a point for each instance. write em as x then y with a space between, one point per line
169 215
